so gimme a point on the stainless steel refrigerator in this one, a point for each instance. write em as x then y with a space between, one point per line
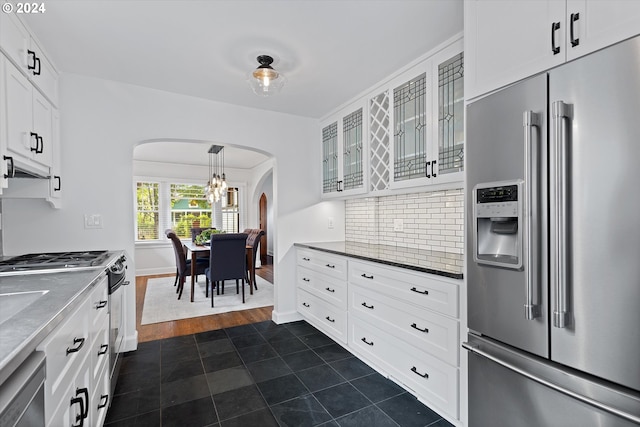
553 246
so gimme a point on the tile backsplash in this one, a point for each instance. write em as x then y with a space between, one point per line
430 221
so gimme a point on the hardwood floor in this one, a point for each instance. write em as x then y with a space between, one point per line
197 324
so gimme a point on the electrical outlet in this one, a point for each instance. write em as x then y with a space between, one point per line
330 222
398 224
93 221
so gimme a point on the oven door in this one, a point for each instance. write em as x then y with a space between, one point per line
116 332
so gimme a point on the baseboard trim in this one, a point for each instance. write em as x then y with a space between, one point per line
288 317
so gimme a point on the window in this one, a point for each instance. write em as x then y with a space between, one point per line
148 217
231 212
189 208
180 206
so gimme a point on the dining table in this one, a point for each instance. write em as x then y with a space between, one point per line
196 249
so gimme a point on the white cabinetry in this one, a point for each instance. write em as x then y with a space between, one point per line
402 322
322 291
508 41
29 121
344 144
77 354
413 130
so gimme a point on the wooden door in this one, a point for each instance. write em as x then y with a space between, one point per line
263 226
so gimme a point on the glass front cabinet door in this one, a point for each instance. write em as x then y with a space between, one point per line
427 122
344 145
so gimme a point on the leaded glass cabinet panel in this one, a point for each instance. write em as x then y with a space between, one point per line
379 137
451 115
410 129
330 158
352 150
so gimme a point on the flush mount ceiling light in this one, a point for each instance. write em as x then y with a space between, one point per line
264 80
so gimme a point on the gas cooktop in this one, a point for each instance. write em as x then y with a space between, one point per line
53 262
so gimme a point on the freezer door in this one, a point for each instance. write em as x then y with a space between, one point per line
505 144
595 259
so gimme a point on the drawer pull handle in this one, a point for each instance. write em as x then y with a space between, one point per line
419 292
78 342
306 259
415 371
103 349
366 277
364 340
330 290
425 330
330 266
305 304
84 405
370 307
104 399
305 279
101 304
330 319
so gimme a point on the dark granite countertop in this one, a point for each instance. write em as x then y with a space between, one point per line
433 262
25 330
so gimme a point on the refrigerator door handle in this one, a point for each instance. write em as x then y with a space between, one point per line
529 121
475 348
561 113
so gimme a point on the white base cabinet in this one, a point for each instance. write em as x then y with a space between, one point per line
403 323
76 386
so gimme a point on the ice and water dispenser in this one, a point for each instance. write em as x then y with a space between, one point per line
498 227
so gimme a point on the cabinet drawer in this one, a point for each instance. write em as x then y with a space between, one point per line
100 350
331 265
330 289
419 289
74 397
100 399
423 329
432 380
65 349
98 304
323 315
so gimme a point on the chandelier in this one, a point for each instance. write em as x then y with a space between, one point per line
217 184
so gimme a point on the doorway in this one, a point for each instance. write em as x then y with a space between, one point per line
262 208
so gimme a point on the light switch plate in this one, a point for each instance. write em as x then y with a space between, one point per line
92 221
398 224
330 222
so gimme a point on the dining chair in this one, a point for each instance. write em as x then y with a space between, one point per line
227 261
253 239
183 265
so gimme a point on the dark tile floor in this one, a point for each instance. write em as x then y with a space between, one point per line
263 375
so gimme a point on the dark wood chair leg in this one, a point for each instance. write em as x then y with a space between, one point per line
175 282
243 290
206 288
180 287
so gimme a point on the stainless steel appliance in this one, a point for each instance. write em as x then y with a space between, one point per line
554 334
22 394
116 275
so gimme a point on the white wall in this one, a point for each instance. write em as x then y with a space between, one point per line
101 122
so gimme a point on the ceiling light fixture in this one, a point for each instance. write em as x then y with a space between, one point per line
217 184
264 80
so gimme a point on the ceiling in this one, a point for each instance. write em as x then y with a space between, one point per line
329 50
194 153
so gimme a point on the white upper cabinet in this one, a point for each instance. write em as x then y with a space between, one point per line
427 122
23 50
506 41
344 144
406 133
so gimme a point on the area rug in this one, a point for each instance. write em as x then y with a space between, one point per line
161 303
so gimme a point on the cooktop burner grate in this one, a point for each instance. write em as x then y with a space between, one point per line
45 261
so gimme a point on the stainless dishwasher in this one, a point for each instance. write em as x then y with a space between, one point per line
22 394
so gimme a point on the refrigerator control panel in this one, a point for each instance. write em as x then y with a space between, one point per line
498 224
